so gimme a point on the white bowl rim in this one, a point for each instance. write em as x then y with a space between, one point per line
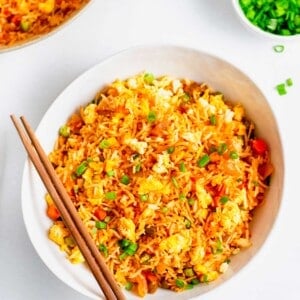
39 38
28 164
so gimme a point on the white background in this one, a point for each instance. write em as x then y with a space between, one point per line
33 76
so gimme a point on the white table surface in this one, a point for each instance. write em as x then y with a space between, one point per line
32 77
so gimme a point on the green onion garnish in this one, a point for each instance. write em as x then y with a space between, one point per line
213 120
182 167
148 78
64 131
289 82
233 155
278 48
103 249
203 161
104 144
128 285
151 116
222 148
110 173
144 197
175 183
171 149
110 195
179 283
281 89
81 168
100 225
281 17
224 199
125 179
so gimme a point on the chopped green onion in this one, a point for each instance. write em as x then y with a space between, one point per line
233 155
189 272
128 285
149 78
64 131
213 120
203 161
171 149
128 247
278 48
281 89
281 17
186 97
131 249
219 246
182 167
125 179
188 223
101 225
179 283
182 197
195 281
189 286
164 209
123 255
81 168
289 82
110 195
175 183
103 249
224 199
110 173
25 25
222 148
104 144
151 116
144 197
124 243
191 201
137 168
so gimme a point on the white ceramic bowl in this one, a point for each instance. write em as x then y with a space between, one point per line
37 38
256 30
161 60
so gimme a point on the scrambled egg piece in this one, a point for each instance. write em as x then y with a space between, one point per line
47 6
163 163
204 198
136 145
127 228
57 233
176 242
230 216
152 184
89 114
76 257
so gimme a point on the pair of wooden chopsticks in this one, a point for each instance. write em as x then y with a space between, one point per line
67 210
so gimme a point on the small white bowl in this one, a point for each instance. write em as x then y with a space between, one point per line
36 38
255 29
161 60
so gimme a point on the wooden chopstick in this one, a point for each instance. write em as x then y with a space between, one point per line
67 210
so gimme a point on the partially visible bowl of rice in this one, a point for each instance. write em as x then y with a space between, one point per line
173 159
24 22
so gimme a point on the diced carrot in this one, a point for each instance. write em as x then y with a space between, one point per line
100 213
52 212
152 281
140 286
259 146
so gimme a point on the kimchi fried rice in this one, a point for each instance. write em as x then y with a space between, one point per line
165 174
24 20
